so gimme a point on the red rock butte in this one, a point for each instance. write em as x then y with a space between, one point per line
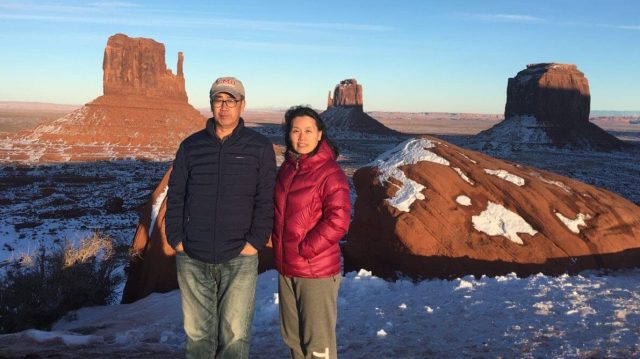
346 93
143 113
548 105
345 113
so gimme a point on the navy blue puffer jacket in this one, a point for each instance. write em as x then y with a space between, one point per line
221 193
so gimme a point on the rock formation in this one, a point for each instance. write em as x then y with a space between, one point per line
431 209
547 105
143 114
347 93
345 117
136 66
152 267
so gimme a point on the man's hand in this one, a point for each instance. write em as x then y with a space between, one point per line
179 247
248 250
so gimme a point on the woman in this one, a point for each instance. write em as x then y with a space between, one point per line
312 213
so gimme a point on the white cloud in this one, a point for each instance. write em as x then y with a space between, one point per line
157 17
507 18
623 27
113 4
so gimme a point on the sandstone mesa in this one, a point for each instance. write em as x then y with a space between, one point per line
143 113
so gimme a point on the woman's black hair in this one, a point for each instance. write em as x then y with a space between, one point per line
297 111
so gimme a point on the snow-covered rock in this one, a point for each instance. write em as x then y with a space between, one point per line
430 209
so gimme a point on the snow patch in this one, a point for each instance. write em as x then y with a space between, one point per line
557 183
467 157
463 200
544 308
155 209
496 220
463 175
573 224
463 284
363 273
428 309
552 182
68 338
406 153
505 175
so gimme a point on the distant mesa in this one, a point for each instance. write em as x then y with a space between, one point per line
345 116
547 106
143 113
346 93
429 209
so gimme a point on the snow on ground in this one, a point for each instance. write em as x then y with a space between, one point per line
514 132
592 315
48 204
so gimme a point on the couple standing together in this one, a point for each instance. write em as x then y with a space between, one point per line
224 201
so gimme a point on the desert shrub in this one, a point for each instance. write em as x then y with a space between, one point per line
41 288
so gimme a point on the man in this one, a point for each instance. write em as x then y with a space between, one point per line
219 213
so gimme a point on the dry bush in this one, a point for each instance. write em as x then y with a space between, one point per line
40 289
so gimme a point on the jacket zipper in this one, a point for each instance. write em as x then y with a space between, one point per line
215 218
284 210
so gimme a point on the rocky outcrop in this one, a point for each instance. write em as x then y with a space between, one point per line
152 266
553 93
143 114
345 117
547 105
136 66
430 209
347 93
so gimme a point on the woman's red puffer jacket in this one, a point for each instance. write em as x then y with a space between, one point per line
312 214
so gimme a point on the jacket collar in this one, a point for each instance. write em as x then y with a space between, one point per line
210 128
323 155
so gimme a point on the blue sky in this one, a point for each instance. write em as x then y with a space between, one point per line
437 56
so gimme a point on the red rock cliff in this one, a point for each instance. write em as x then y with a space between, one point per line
553 93
137 66
347 93
345 115
547 106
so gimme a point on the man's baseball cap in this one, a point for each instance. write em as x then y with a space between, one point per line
230 85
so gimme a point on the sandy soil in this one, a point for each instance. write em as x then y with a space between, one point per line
18 116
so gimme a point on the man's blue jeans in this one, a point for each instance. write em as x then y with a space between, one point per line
218 302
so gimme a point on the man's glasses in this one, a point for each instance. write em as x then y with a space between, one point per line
231 103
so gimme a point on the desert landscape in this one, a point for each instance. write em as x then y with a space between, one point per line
524 225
